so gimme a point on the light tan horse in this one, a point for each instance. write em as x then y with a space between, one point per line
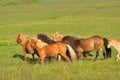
51 50
26 45
116 45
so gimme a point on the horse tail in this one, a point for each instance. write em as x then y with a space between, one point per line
108 50
71 53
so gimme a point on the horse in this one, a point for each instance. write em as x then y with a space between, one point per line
47 40
116 45
26 45
50 50
69 40
83 46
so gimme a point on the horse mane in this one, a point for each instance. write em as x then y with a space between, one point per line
69 38
57 37
45 38
72 41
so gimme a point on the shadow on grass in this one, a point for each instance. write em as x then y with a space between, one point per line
28 60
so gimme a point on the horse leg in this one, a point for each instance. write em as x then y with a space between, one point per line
103 52
97 54
24 56
42 58
104 55
58 58
49 58
89 54
84 54
33 56
65 57
24 52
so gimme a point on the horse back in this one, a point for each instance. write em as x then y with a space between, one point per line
53 49
90 44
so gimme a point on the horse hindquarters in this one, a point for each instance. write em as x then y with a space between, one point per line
62 48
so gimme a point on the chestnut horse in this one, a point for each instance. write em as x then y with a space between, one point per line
83 46
46 39
26 45
50 50
116 45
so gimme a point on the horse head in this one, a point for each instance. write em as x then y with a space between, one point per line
57 37
109 44
21 38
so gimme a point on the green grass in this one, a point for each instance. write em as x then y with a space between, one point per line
81 18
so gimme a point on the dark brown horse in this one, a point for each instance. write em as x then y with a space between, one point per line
94 43
71 41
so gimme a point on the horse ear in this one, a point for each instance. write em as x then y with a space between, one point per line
19 35
56 33
61 35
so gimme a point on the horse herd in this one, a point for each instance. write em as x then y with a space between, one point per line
68 48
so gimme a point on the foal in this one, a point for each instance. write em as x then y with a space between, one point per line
116 45
50 50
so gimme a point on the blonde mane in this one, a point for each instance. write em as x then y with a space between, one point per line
57 37
40 43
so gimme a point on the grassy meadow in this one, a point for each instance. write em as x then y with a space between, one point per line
80 18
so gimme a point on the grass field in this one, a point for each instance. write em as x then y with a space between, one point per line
81 18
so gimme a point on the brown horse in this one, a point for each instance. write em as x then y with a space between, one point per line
50 50
69 40
82 46
26 45
47 40
116 45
